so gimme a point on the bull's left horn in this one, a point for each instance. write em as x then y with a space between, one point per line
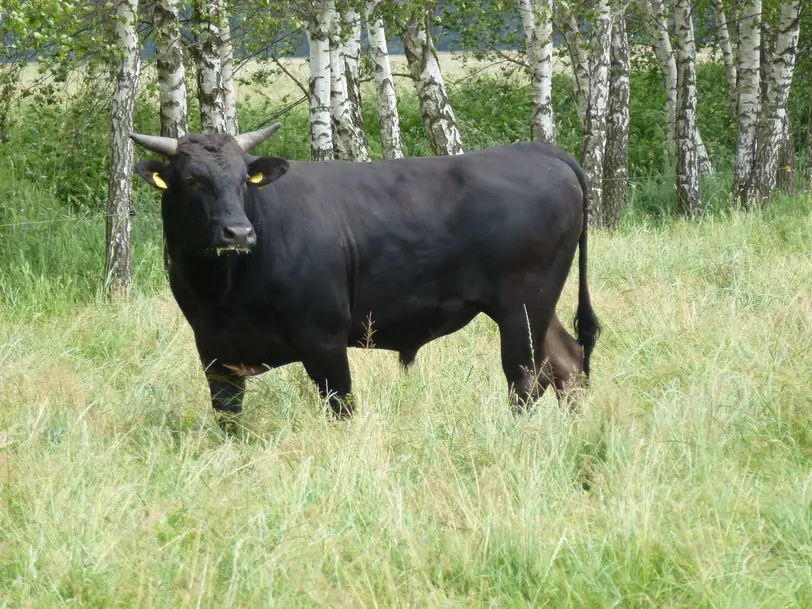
168 146
247 141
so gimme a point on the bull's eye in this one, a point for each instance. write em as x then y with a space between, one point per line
189 181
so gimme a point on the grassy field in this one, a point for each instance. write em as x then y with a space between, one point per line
684 480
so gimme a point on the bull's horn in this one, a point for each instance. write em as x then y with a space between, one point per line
247 141
168 146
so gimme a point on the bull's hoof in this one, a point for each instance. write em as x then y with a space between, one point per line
229 423
342 408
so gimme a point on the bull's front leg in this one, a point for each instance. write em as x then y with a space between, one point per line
329 368
227 393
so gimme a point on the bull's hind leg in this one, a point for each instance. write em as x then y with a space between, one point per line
524 359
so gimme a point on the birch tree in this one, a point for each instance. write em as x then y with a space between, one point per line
567 25
209 70
319 19
661 42
118 259
688 192
748 98
384 85
595 131
538 34
349 141
616 162
171 71
351 25
226 54
723 39
438 115
771 135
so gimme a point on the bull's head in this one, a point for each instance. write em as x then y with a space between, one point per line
205 182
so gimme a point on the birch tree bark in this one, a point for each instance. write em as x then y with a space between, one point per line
771 136
318 35
438 115
567 24
348 137
226 53
785 178
118 258
538 35
616 162
595 131
384 86
668 66
209 71
688 192
171 72
723 39
351 24
748 99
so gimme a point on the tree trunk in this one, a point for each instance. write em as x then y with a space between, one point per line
438 115
568 26
668 66
748 99
348 137
785 178
209 70
723 39
318 35
616 163
351 22
385 86
689 196
171 72
771 137
595 132
118 259
538 36
226 54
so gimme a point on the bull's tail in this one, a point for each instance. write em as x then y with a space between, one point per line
587 327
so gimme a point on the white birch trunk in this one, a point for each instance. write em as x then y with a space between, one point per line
748 99
351 22
384 86
774 118
595 132
348 137
616 162
668 66
171 71
226 54
689 195
785 178
538 36
118 258
318 35
568 26
438 115
209 70
723 39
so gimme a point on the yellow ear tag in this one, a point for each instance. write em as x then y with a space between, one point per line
158 181
256 178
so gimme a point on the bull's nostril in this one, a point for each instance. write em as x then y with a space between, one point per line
238 236
229 233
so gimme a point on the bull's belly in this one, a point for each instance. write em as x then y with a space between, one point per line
408 331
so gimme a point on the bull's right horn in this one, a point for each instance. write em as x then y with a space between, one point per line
168 146
249 140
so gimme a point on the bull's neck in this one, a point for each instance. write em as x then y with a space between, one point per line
207 283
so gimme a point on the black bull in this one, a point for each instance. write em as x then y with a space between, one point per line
407 251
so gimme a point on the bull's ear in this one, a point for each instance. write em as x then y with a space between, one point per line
154 173
266 169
